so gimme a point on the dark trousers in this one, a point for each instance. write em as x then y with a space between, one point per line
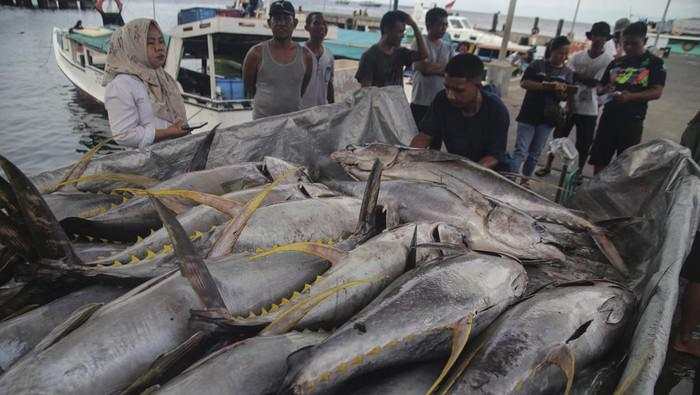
616 132
418 113
585 129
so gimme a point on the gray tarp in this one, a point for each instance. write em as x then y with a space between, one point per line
656 182
305 137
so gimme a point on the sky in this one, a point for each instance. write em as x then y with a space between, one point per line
590 10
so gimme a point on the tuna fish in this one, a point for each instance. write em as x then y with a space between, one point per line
538 345
415 319
136 217
457 173
252 366
20 334
488 225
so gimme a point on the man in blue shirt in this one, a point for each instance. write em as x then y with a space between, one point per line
470 121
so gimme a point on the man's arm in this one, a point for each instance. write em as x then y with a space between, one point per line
250 70
308 69
119 5
422 47
364 70
428 68
653 93
498 137
98 5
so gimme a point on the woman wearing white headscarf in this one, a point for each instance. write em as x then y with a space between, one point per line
142 100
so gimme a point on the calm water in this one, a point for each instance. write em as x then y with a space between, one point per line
45 121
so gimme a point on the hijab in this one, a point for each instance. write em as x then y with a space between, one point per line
128 54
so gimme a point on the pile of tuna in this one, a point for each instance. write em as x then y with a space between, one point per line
425 274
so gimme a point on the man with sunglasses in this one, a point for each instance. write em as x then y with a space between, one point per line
276 72
470 121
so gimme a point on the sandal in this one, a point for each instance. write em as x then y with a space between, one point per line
545 171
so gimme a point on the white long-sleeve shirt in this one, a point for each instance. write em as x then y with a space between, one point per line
130 112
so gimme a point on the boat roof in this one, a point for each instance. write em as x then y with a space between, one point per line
99 42
98 38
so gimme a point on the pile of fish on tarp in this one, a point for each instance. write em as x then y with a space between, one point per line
312 254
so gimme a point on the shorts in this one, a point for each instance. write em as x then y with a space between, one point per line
616 132
691 266
419 112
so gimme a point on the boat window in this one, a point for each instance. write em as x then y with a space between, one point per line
194 71
465 23
229 52
456 24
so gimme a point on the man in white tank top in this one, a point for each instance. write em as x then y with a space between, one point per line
320 89
276 72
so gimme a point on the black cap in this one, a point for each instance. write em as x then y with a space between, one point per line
599 29
281 7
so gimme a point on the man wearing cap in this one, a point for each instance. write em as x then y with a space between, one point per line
588 67
614 47
276 72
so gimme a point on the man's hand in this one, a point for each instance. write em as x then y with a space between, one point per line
421 140
412 23
622 97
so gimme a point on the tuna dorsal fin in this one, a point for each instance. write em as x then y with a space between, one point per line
166 362
323 251
367 224
48 238
224 205
192 265
290 318
234 228
460 335
561 356
201 154
73 322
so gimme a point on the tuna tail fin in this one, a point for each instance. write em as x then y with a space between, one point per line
192 265
460 335
201 154
169 364
48 239
368 224
608 249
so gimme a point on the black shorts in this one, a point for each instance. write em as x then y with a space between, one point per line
418 112
616 132
691 267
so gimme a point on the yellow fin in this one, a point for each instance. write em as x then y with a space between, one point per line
196 235
139 239
116 264
284 301
320 250
460 336
263 311
150 254
289 318
307 287
274 307
167 248
134 259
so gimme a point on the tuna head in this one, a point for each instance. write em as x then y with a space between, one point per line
361 158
